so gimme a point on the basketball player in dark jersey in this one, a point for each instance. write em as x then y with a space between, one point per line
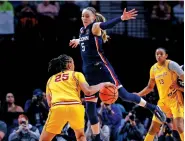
97 68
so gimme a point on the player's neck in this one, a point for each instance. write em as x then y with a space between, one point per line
161 64
11 105
66 70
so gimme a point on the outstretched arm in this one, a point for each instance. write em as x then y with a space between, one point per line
111 23
89 90
148 88
150 85
74 43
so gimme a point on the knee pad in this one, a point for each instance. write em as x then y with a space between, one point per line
91 111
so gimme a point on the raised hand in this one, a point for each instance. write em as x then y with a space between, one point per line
74 43
129 15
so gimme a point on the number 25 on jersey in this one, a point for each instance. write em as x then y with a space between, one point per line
61 77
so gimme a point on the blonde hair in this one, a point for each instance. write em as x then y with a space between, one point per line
99 18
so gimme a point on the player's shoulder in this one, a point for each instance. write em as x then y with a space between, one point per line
170 64
153 67
52 77
78 73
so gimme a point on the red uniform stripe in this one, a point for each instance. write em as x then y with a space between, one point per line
89 98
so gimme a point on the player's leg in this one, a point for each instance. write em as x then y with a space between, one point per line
46 136
175 133
130 97
76 121
156 123
179 122
178 116
80 135
153 130
54 123
92 115
91 101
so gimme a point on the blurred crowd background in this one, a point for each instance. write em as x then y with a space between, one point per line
32 33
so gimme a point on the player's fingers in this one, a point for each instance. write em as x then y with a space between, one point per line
124 10
132 10
73 46
70 43
133 18
134 15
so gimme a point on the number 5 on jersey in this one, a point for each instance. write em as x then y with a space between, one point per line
83 47
62 77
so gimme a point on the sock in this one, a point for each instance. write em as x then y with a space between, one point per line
149 137
96 137
150 106
182 136
175 134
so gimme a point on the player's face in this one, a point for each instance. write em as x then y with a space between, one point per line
160 55
71 65
10 98
87 17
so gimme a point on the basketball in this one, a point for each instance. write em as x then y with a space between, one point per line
108 95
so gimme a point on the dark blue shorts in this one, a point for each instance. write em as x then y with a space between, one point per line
100 72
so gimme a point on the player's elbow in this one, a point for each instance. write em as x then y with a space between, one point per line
87 92
182 77
149 88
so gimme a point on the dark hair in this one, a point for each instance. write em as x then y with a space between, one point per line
59 64
99 18
162 49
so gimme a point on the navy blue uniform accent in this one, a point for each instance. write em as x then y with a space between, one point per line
88 49
91 113
96 67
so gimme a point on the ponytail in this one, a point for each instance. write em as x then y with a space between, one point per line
101 18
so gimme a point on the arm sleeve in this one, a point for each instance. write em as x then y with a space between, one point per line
152 73
173 66
110 23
